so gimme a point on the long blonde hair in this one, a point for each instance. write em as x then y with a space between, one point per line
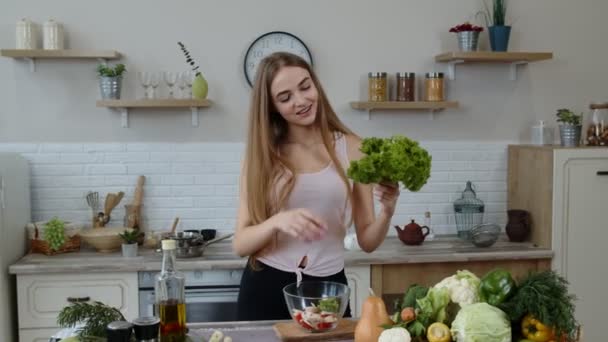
264 165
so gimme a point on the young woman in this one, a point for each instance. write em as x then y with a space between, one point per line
296 201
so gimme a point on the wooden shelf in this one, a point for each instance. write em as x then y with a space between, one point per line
369 106
32 55
512 58
124 105
70 53
598 106
154 103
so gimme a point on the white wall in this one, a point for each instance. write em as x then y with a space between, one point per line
348 38
50 115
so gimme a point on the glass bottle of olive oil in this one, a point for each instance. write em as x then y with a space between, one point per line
170 297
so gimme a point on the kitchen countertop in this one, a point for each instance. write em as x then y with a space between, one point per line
220 256
255 331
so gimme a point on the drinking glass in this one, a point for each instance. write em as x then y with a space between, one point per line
144 80
170 79
154 82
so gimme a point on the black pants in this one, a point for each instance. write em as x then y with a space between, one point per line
261 293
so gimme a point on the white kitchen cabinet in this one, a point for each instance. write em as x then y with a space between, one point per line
42 296
36 335
359 281
581 233
566 191
14 215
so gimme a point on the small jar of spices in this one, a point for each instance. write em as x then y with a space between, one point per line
377 86
434 87
406 86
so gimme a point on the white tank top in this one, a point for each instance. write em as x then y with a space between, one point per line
324 194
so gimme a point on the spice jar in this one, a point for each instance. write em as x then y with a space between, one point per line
378 86
434 86
406 86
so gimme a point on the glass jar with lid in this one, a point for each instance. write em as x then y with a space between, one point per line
468 212
377 86
434 87
406 86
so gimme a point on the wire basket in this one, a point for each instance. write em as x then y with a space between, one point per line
468 212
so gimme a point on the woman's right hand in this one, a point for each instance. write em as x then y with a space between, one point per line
300 223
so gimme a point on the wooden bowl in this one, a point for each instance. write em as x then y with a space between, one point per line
105 239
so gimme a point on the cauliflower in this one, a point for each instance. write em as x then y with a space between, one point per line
396 334
463 287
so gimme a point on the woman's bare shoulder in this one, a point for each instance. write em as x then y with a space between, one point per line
353 146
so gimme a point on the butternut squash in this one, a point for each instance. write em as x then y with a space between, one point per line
373 317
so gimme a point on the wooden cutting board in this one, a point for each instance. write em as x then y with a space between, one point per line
292 332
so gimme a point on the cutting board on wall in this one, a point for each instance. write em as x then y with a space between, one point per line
292 332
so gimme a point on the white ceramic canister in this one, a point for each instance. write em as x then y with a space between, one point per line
27 39
542 134
52 35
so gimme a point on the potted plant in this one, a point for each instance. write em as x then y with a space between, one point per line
570 127
110 80
468 36
129 245
499 33
199 84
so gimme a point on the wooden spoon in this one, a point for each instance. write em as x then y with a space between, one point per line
112 201
174 225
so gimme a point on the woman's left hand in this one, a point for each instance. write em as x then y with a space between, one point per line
387 194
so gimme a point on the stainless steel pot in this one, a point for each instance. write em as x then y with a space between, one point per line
192 245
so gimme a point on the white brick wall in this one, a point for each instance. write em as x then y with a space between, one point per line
198 181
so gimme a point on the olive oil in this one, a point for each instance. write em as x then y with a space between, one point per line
172 320
169 291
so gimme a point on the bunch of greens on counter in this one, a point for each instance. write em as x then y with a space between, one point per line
542 300
54 233
94 315
395 159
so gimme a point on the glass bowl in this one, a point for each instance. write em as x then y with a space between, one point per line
485 235
317 306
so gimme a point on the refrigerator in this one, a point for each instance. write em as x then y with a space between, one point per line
15 213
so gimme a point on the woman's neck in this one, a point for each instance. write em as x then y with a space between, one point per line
304 135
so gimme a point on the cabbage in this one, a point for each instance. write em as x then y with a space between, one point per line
481 322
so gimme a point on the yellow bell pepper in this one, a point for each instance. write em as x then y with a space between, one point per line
535 330
438 332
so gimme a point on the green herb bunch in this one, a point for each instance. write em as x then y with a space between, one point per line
94 316
130 236
108 71
545 296
498 13
569 117
54 233
189 58
395 159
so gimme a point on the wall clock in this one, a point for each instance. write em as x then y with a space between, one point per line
271 42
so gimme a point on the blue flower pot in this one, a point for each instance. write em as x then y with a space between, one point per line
499 37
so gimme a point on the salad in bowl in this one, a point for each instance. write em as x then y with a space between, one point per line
317 306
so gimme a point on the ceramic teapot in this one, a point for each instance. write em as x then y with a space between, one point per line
412 234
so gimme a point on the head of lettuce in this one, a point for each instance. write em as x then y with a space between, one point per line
481 322
393 160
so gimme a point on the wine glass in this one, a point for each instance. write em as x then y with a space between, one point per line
189 78
144 80
170 79
181 84
154 82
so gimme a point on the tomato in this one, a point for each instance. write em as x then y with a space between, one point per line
324 326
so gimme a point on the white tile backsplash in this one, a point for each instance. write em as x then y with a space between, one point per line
199 181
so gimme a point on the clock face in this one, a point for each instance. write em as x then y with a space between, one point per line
269 43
